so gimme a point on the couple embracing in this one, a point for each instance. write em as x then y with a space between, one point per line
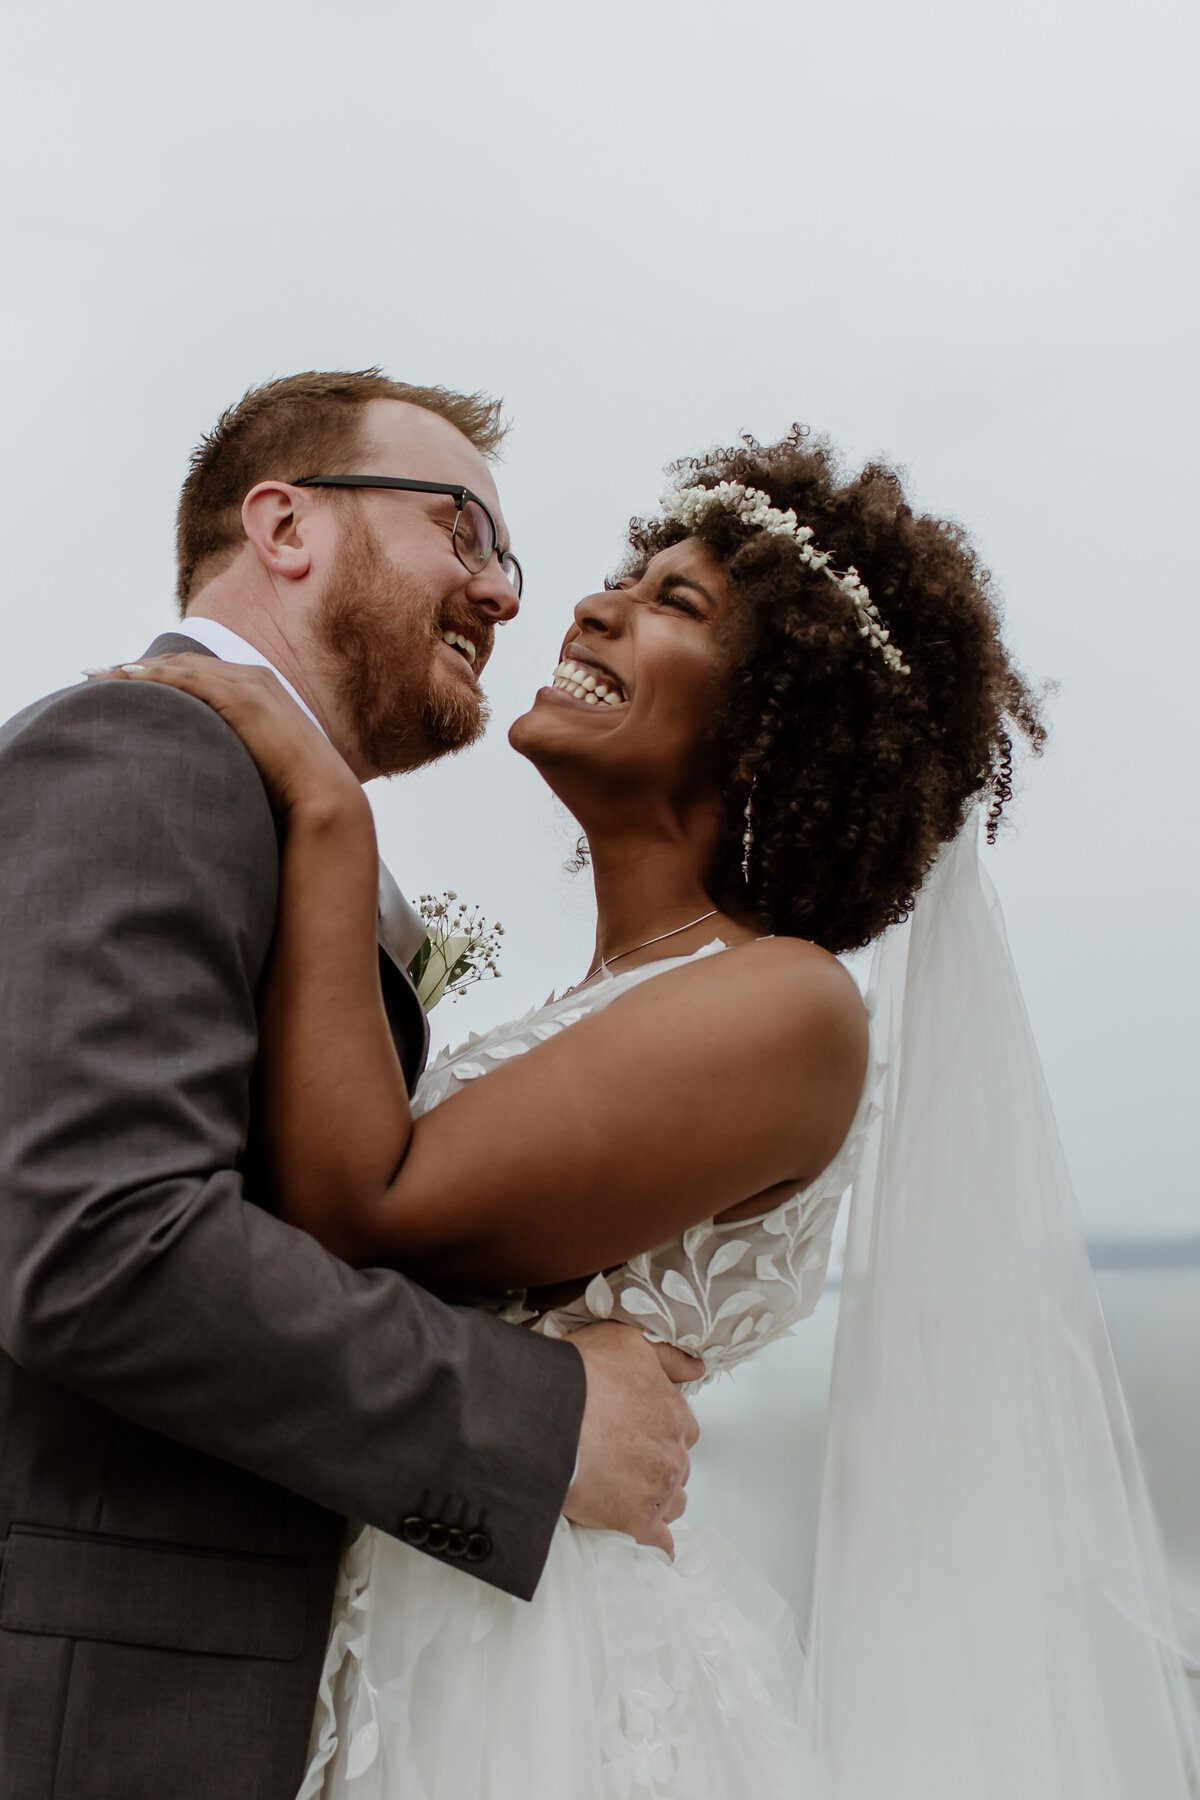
239 1219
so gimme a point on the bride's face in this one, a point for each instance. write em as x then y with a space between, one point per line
630 707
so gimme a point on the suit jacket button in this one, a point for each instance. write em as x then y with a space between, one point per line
478 1546
415 1530
456 1542
437 1537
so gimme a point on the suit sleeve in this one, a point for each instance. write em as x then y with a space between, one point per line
136 906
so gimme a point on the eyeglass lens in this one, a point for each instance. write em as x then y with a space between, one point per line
473 534
476 542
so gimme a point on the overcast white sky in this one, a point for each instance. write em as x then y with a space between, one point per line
964 236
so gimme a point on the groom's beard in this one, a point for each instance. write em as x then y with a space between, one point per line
382 634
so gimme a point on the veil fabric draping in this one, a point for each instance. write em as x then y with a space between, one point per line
991 1613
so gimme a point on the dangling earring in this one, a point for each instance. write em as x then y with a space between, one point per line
748 834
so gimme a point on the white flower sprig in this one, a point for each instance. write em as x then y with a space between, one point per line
687 506
459 949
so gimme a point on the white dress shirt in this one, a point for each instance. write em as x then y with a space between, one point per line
401 928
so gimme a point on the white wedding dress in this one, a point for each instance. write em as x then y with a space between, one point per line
628 1677
991 1618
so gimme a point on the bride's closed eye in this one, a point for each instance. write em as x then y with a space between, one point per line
613 585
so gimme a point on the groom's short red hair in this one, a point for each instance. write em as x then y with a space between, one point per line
300 425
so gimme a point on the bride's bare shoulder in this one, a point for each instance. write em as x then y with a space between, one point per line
789 993
804 990
778 974
788 959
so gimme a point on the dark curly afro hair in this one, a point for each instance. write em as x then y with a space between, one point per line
857 775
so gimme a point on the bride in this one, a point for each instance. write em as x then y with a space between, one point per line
776 728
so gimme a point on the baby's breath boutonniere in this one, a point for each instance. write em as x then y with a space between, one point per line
459 949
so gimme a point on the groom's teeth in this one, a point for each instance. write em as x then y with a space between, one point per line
458 642
570 678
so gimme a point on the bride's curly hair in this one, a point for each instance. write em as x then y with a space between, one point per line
857 774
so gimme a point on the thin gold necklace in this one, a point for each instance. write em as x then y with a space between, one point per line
602 967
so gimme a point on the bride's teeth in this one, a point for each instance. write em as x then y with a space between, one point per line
571 678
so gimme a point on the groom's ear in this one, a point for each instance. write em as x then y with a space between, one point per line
278 521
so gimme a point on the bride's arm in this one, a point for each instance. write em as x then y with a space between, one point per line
694 1090
679 1100
331 1099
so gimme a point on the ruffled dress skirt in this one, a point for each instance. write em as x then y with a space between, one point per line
627 1677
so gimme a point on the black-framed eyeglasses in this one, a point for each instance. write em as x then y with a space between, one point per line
474 537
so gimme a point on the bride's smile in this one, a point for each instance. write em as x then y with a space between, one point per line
583 677
635 692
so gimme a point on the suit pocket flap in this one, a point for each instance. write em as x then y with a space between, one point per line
162 1596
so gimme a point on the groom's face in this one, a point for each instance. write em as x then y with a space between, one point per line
396 594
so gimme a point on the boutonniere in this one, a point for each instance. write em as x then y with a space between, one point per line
459 949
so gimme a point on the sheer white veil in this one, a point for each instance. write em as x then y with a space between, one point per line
991 1615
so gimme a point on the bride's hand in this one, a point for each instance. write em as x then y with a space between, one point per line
299 766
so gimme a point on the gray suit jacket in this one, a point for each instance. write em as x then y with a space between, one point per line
194 1395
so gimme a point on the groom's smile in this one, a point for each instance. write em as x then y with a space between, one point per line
466 637
462 644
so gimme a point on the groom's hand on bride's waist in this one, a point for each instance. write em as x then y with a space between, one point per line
637 1430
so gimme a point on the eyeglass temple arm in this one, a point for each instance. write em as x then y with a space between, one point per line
457 493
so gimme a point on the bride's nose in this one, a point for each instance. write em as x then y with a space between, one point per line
603 612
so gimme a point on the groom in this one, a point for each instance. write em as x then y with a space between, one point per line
195 1396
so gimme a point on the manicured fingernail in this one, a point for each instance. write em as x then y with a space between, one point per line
133 668
104 669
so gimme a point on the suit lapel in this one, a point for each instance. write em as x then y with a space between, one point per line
406 1016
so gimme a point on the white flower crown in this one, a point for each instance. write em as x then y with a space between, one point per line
687 506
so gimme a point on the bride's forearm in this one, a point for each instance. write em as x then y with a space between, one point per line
332 1098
